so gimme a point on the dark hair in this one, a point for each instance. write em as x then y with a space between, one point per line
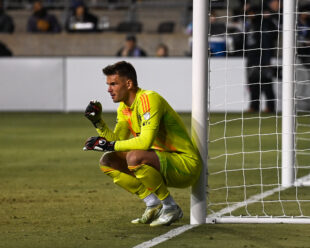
131 38
123 69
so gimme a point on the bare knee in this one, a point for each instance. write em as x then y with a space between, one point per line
115 160
105 160
134 157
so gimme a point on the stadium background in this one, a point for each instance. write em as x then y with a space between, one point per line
52 194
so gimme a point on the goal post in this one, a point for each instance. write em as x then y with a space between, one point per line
289 21
256 164
199 105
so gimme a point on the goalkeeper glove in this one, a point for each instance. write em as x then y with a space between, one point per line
93 112
98 144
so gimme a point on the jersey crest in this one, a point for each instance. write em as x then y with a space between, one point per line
147 116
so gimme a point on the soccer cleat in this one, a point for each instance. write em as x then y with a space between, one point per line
150 214
167 217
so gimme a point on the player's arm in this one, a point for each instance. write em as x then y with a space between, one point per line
149 129
93 112
150 121
121 131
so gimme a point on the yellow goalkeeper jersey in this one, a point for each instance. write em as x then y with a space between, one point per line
153 124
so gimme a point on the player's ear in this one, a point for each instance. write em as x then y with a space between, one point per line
129 84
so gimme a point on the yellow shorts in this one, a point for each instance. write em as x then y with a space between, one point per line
178 170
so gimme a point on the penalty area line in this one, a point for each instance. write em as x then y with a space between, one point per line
162 238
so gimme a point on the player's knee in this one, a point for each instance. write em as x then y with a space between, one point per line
104 164
134 157
105 160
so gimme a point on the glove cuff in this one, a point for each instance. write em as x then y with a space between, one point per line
111 146
99 124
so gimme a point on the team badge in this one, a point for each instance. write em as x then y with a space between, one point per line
147 116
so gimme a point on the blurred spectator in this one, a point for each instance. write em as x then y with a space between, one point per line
235 29
162 50
42 22
130 49
303 27
189 32
217 40
81 20
272 7
4 50
262 36
6 22
216 26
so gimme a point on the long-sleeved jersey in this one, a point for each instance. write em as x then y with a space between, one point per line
153 124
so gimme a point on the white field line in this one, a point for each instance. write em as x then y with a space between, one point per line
252 199
162 238
177 231
299 182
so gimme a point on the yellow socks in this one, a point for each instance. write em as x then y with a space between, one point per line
126 181
152 179
148 180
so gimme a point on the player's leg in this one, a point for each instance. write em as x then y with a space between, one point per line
114 164
146 167
267 89
180 171
254 88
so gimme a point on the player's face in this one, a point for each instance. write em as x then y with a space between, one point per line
118 87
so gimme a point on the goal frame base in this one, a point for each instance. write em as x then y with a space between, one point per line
258 220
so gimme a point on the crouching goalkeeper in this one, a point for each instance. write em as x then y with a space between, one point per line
158 155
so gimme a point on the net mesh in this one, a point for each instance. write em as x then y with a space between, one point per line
245 106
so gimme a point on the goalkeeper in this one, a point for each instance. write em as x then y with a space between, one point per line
158 155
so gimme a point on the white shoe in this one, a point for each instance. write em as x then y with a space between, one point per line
167 217
150 214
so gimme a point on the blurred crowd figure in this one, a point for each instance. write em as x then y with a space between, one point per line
218 41
303 27
80 19
41 21
130 48
162 50
262 43
4 50
302 90
6 21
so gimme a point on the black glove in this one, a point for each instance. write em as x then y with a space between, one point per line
98 144
93 112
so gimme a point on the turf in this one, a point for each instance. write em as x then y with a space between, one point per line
245 160
52 194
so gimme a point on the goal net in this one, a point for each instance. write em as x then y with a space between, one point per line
259 111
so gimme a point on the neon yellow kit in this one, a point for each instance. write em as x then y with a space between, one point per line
155 125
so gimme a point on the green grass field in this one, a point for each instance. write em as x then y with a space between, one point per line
52 194
245 160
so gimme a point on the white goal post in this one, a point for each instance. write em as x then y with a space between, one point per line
200 105
255 164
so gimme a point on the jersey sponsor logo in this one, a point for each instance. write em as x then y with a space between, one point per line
145 123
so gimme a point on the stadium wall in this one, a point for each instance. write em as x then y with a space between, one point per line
69 83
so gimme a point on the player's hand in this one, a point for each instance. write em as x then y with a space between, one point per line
93 112
98 144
